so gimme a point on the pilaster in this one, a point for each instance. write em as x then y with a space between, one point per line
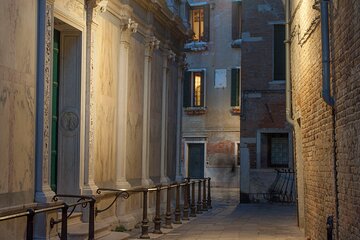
151 44
168 57
93 8
182 66
127 27
43 192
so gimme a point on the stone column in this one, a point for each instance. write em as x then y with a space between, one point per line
43 192
93 7
127 27
151 44
168 56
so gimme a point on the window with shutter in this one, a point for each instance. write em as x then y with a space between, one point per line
236 19
194 91
235 87
200 21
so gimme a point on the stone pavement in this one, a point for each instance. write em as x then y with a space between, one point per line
230 221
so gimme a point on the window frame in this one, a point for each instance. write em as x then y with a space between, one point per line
192 92
206 12
236 19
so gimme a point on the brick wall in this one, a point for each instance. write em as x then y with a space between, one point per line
318 145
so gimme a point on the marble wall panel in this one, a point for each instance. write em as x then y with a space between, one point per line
172 120
135 107
17 101
155 114
106 72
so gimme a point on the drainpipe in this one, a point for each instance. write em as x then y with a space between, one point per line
289 118
330 101
325 53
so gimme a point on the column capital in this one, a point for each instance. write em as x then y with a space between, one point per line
127 24
94 7
152 44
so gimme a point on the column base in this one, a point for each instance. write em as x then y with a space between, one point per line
90 188
122 184
45 195
146 182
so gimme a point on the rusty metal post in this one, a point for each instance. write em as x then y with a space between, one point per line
157 219
204 203
177 209
30 224
186 202
193 206
168 209
199 206
209 195
329 227
64 219
92 219
145 221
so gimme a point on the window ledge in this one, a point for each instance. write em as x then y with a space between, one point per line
235 110
236 43
195 110
196 46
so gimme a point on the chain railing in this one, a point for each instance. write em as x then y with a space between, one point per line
188 201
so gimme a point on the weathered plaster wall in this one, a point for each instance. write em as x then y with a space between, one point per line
220 127
17 101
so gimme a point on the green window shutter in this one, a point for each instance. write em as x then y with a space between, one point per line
206 36
235 86
202 89
187 89
279 52
236 20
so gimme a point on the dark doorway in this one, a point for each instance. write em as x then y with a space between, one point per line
196 160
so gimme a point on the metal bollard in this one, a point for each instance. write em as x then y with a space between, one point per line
177 209
30 224
199 206
92 219
329 227
64 213
157 219
204 203
168 209
209 195
186 202
145 221
193 206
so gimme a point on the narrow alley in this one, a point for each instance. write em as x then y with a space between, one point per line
229 220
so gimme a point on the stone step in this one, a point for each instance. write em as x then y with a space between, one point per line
80 231
73 219
116 236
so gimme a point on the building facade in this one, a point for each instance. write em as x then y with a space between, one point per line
80 104
210 122
265 137
326 115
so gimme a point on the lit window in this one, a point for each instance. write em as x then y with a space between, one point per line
199 19
194 85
